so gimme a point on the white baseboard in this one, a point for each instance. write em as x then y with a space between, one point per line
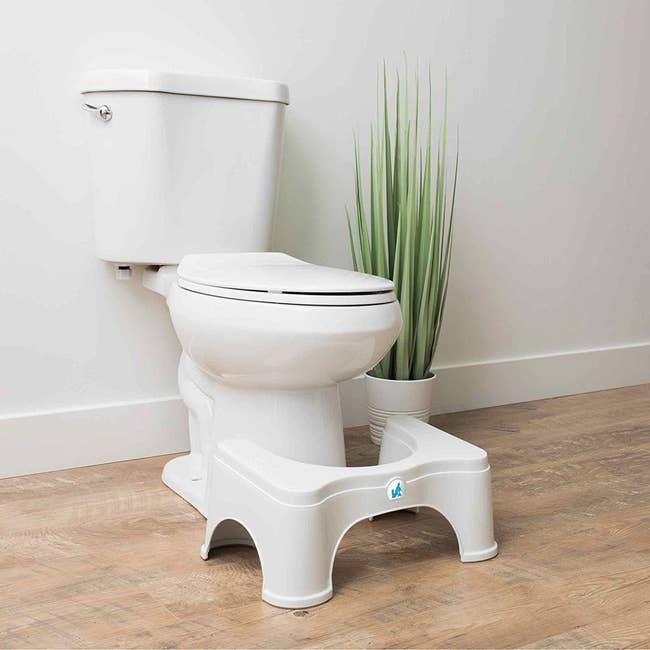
468 386
42 442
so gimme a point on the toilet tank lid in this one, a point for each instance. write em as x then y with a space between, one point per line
276 273
184 83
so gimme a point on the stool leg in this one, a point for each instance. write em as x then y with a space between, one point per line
465 500
295 550
296 559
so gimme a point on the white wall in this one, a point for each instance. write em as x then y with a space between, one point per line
551 257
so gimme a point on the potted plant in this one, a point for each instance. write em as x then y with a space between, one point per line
405 235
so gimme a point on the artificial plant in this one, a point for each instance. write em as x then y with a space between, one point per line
406 235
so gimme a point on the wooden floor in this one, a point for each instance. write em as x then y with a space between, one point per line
107 556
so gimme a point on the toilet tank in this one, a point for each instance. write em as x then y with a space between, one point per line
182 163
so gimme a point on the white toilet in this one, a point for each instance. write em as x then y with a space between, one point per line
184 170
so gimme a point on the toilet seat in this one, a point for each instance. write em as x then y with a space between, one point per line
280 279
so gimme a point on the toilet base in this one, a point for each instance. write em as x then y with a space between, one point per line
178 475
296 514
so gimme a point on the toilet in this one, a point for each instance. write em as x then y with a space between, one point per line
184 172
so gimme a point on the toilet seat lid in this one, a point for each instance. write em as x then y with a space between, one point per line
280 278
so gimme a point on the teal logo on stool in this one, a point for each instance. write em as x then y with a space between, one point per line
395 489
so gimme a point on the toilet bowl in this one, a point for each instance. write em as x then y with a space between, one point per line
268 320
266 340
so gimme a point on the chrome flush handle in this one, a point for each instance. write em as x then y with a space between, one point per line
103 112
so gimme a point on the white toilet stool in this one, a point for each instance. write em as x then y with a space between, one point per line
295 514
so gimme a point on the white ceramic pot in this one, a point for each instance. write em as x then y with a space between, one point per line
388 397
